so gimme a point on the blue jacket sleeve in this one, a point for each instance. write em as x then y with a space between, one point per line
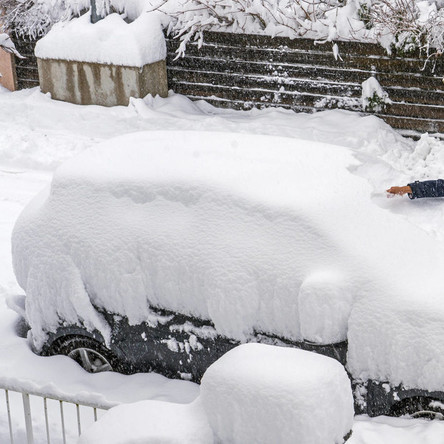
427 188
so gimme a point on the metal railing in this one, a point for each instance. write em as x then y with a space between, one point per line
44 412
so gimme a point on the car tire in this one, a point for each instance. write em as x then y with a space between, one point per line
419 407
90 354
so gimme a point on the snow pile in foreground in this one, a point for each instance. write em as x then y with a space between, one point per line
255 393
260 393
284 240
110 41
153 422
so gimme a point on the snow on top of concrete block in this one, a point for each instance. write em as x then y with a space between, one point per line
262 393
109 41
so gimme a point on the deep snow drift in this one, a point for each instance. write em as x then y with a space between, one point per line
253 233
153 422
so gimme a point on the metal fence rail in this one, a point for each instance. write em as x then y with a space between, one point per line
29 420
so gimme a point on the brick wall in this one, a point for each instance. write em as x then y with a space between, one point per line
7 71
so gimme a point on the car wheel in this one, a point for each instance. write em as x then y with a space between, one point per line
420 407
91 355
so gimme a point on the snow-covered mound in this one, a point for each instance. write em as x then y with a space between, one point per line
259 393
254 233
153 422
255 393
109 41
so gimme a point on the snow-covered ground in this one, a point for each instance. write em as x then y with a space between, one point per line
37 134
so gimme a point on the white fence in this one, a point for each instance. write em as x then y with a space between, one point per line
63 419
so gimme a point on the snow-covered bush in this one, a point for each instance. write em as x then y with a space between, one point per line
408 25
374 98
297 18
34 18
8 45
402 24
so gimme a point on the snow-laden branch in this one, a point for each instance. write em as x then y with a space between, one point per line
403 24
8 45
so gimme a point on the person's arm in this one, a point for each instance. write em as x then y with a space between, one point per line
427 188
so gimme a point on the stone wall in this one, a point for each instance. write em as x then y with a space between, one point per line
245 71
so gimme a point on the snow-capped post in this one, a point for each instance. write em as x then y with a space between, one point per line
95 16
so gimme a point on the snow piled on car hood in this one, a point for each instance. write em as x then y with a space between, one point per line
243 230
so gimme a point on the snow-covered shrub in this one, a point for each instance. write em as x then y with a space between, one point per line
8 45
259 393
397 19
374 98
34 18
408 25
402 24
273 17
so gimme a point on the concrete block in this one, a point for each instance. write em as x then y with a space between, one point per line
87 83
8 77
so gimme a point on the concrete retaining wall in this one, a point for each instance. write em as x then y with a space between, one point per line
98 84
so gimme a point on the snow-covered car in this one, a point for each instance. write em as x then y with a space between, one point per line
164 250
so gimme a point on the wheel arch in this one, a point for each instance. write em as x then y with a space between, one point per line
63 334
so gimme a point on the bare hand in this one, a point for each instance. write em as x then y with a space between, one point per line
399 190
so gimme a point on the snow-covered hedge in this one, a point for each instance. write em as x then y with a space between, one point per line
405 24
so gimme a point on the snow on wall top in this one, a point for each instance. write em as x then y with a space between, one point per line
256 233
109 41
